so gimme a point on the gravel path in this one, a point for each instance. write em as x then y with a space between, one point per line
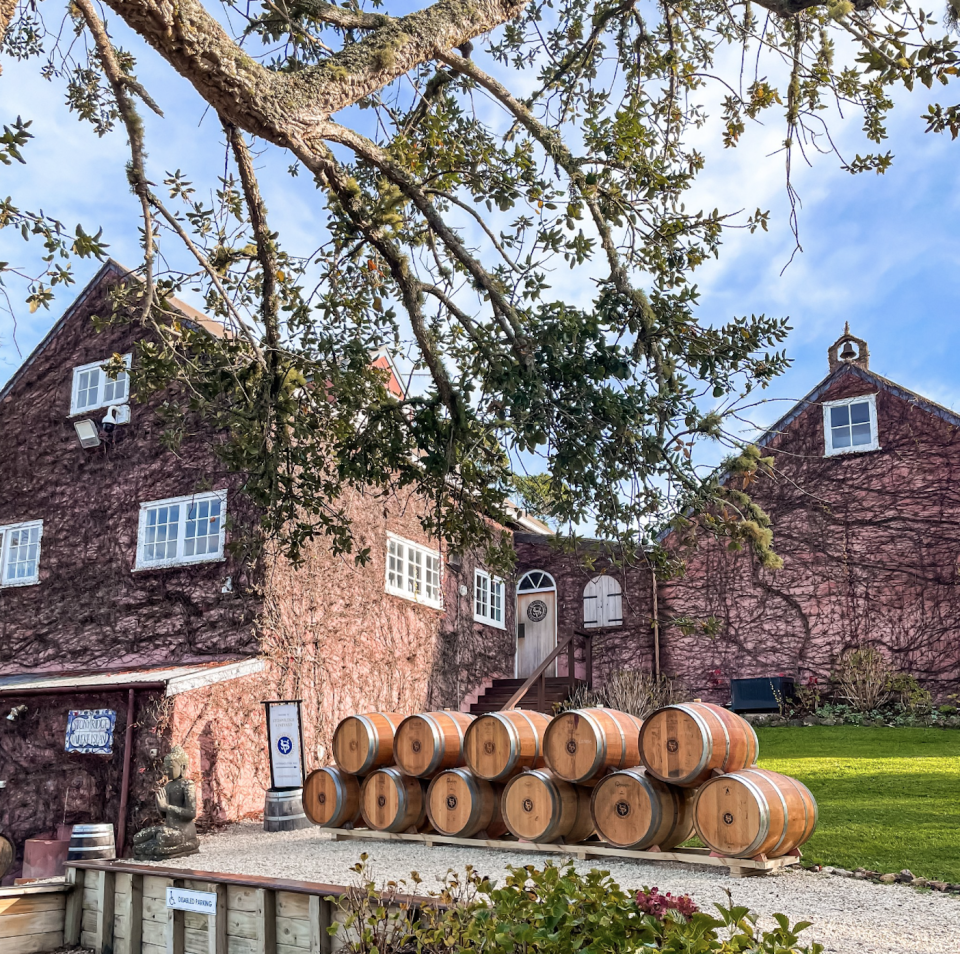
849 916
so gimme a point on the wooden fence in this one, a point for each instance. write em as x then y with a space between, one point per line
120 908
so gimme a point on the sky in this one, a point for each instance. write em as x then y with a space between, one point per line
879 252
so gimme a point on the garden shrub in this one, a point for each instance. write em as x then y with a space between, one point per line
629 690
554 910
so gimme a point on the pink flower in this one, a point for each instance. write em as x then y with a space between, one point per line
651 901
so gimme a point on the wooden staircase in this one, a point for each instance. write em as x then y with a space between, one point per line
496 696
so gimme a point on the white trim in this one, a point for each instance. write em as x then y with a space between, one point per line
180 559
492 581
828 449
209 677
403 589
74 410
552 588
5 531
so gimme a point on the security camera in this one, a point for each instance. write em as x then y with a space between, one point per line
15 713
109 421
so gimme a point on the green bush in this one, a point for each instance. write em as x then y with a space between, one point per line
555 910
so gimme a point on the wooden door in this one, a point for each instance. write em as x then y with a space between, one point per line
536 631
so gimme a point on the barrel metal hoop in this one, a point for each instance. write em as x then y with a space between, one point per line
783 802
367 724
341 789
474 789
537 751
461 732
707 736
281 818
656 810
601 737
555 801
623 740
514 737
438 752
397 779
757 792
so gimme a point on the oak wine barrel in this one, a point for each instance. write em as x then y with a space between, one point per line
364 743
633 809
429 742
91 843
498 745
581 744
331 797
283 810
392 801
754 812
460 804
539 807
686 744
8 854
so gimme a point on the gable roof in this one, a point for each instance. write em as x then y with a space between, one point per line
110 269
870 377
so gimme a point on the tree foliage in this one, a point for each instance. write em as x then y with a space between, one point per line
501 186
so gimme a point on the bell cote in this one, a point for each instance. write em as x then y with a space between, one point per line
848 349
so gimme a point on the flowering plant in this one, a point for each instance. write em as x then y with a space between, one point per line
651 901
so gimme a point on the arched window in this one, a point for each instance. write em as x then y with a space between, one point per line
602 602
536 580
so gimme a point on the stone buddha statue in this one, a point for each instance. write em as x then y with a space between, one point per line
177 805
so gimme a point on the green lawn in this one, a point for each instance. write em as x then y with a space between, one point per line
888 798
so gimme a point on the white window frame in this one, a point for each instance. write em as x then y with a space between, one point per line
484 614
403 589
180 559
5 531
829 449
75 386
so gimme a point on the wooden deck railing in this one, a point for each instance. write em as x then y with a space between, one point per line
539 676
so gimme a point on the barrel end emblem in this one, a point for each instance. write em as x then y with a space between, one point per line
489 748
415 745
381 801
451 802
322 798
572 746
727 818
528 805
623 809
672 745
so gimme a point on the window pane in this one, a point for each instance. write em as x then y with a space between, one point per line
432 578
839 415
481 601
88 388
860 413
840 436
22 554
496 601
202 534
115 392
861 434
160 533
414 571
395 564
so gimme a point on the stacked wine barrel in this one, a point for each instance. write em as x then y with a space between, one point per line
639 785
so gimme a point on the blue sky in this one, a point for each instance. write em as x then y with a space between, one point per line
881 252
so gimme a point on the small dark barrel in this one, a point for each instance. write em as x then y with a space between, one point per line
283 811
460 804
331 797
392 801
91 843
8 855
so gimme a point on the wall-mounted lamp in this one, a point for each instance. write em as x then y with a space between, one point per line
15 713
88 433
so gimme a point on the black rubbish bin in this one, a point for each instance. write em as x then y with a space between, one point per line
761 694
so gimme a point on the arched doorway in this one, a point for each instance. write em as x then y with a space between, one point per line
536 622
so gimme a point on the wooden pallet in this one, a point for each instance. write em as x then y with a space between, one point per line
738 867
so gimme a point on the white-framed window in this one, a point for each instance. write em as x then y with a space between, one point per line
93 387
602 602
413 571
20 553
181 530
488 599
850 425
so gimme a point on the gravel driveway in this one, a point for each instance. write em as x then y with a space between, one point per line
849 916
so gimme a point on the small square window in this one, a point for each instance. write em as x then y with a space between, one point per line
488 599
413 572
850 426
94 388
181 530
20 553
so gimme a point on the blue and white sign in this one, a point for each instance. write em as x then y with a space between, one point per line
200 902
91 731
283 731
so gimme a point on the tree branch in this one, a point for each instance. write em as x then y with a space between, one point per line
7 9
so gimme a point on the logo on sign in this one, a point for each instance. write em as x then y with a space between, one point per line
201 902
90 731
284 745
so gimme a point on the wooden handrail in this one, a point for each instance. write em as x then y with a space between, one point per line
538 673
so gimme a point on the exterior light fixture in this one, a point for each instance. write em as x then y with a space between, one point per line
87 433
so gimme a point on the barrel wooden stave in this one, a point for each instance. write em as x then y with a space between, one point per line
8 855
430 742
92 843
393 801
581 744
685 744
331 797
364 743
540 807
499 745
283 810
754 812
633 809
462 805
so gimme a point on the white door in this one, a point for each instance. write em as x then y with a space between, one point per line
536 631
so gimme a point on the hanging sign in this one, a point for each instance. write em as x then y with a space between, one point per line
91 731
201 902
285 739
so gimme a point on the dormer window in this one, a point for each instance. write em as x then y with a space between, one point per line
93 387
850 425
